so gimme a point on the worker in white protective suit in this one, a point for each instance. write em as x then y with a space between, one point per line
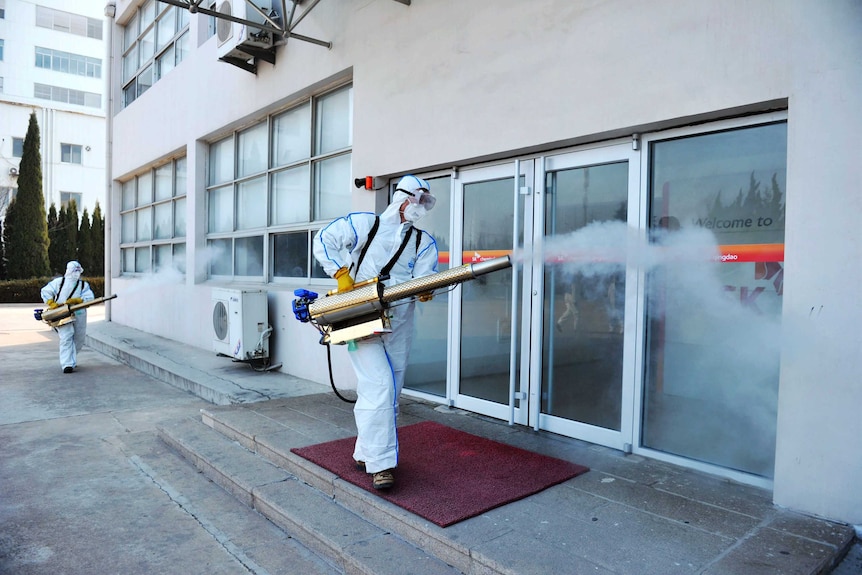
69 289
358 247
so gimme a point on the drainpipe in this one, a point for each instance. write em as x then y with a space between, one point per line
110 12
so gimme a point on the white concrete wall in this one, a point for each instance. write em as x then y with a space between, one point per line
440 83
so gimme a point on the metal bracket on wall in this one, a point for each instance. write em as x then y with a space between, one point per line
271 25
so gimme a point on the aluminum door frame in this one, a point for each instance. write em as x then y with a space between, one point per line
622 439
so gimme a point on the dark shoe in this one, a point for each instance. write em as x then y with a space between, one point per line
383 479
68 369
360 465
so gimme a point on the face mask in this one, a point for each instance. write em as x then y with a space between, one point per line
413 212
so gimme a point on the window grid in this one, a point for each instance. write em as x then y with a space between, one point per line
153 219
285 164
68 62
67 95
155 41
67 22
70 153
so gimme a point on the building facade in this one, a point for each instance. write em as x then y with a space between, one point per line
52 62
674 183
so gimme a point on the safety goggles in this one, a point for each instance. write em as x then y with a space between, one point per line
421 197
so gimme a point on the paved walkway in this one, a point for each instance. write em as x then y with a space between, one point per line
628 515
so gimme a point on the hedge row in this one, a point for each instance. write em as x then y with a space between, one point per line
27 291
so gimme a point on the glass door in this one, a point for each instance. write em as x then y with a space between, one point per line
583 375
486 312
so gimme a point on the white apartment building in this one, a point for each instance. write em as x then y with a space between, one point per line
52 62
598 142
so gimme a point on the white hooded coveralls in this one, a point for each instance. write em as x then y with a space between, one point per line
379 361
72 334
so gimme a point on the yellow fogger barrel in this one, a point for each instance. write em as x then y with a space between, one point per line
352 315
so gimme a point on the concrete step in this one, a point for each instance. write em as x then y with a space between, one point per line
350 542
257 545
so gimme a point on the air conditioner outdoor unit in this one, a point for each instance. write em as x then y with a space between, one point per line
240 324
233 37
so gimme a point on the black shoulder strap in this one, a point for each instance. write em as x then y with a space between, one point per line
388 267
60 289
418 239
371 233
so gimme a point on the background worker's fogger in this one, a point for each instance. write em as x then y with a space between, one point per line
347 316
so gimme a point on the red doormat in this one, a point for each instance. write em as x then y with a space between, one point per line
445 475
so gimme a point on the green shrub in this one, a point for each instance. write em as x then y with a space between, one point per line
27 291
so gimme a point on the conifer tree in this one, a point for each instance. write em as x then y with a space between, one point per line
85 244
70 232
55 254
2 255
97 231
26 227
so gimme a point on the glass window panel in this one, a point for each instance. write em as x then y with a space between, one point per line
334 129
162 221
130 92
147 45
130 34
127 223
220 256
166 28
291 197
180 257
148 13
182 45
249 256
143 222
180 218
291 136
426 365
221 161
164 182
165 62
145 79
128 260
130 64
251 150
726 189
251 204
128 192
142 259
184 18
145 189
180 176
290 255
332 187
162 257
220 210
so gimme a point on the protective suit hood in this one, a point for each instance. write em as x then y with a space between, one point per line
74 270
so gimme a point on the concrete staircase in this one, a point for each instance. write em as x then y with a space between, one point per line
249 455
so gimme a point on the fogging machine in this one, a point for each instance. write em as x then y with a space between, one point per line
342 317
63 314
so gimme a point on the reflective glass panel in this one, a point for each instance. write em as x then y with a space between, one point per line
290 255
220 257
713 317
585 297
252 150
220 210
426 366
162 221
290 196
164 182
251 204
486 306
221 161
332 187
180 218
248 259
143 222
334 121
291 136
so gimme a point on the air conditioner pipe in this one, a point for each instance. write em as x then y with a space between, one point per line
359 313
